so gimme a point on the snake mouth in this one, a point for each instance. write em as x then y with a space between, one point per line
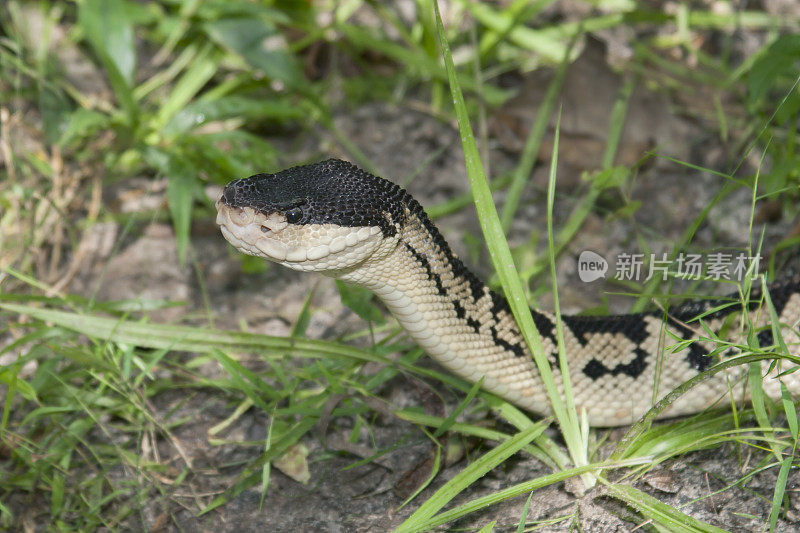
320 247
252 231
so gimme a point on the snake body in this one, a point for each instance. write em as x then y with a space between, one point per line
336 219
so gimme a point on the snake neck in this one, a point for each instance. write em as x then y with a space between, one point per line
450 312
415 272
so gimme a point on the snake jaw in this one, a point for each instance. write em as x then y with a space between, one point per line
252 232
318 247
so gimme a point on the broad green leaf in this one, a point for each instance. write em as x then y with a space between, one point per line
775 62
202 112
107 27
260 44
82 124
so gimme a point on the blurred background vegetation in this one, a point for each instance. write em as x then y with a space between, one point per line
188 94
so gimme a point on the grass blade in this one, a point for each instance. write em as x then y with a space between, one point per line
188 338
780 488
471 473
522 172
498 246
522 488
661 513
577 447
108 29
200 70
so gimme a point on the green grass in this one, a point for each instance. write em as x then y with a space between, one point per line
186 95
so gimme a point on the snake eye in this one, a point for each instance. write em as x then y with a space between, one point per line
294 215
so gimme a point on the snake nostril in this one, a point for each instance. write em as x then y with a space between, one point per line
241 216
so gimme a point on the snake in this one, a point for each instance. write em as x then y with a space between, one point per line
336 219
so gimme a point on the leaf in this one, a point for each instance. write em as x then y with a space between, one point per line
199 71
82 124
776 61
229 154
524 169
55 109
251 475
218 9
417 61
759 400
181 188
260 44
790 410
360 302
294 463
9 377
628 209
549 47
203 340
202 112
499 251
108 29
179 194
609 178
448 422
107 26
493 498
780 490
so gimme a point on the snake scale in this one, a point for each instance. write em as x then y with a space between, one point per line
336 219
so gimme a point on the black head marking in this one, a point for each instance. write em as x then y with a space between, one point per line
330 192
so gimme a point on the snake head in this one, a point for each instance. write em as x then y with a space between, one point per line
326 217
